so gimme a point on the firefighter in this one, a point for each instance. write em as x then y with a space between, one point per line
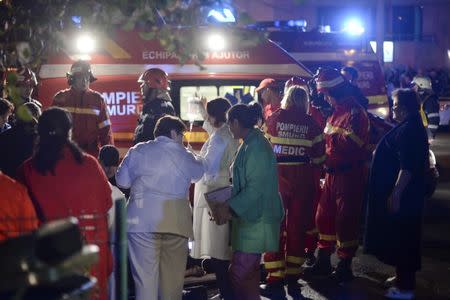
155 87
339 210
298 144
270 93
429 104
91 123
25 83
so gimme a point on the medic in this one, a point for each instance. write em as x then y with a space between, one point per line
91 123
298 144
271 93
339 211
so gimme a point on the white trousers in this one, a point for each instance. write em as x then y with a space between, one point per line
158 264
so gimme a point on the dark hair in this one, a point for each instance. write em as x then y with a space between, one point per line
53 129
247 115
218 108
408 99
352 71
167 123
5 106
109 156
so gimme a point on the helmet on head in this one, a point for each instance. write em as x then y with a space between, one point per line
80 67
23 76
26 77
328 79
422 82
295 80
155 78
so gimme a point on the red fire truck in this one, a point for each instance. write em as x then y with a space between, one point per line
233 72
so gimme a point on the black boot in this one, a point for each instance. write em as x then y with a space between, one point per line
321 268
294 289
310 259
274 291
344 271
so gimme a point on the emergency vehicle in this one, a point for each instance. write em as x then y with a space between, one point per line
316 49
232 72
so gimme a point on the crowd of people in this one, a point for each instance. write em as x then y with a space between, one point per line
271 155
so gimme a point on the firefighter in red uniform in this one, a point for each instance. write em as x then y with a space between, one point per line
270 93
91 123
299 146
339 210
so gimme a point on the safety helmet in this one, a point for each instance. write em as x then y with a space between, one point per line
328 79
24 76
155 78
295 80
422 82
80 67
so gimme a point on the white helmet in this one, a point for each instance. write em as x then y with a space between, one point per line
422 82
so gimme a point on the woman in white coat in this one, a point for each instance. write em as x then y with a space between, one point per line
211 240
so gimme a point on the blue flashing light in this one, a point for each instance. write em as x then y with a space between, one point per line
354 27
224 16
77 21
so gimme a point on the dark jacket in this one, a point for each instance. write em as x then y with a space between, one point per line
151 112
395 238
16 145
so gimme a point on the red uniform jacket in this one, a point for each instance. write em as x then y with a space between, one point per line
296 137
17 214
91 123
347 135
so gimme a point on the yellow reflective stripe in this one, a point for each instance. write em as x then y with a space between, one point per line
291 163
83 111
104 124
274 264
293 271
312 231
114 49
279 274
423 116
330 129
377 99
196 136
295 259
286 141
327 237
319 160
317 139
123 136
347 244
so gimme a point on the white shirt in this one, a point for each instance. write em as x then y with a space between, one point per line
159 174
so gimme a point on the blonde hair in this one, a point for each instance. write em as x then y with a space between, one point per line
295 96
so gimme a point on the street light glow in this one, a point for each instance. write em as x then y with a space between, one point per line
354 27
216 42
85 44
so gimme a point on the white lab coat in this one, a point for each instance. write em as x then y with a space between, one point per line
219 151
159 173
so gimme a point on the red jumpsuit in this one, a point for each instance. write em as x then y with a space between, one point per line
79 190
91 123
298 144
339 210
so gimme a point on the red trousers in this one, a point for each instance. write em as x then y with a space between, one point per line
339 211
298 188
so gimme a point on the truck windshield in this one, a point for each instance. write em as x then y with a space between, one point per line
191 95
